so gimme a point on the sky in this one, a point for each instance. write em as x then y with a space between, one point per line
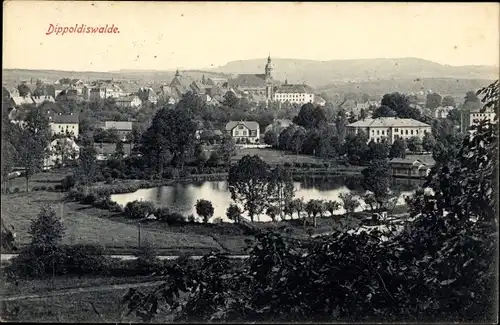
198 35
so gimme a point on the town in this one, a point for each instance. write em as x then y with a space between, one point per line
250 194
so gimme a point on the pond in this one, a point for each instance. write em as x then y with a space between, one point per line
182 197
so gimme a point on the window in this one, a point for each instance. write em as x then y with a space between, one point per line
411 132
383 132
245 133
378 132
406 132
396 130
236 133
240 127
417 131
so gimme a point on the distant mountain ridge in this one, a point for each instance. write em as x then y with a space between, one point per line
322 73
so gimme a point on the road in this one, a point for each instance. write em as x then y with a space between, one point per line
7 257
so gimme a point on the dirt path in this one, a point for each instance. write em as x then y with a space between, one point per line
63 292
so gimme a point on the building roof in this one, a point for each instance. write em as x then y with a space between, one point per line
295 89
65 119
388 122
19 100
126 98
248 80
38 100
119 125
251 125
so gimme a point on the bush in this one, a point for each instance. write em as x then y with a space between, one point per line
287 164
58 187
35 262
175 218
90 198
139 209
191 218
109 180
147 262
35 188
43 188
68 182
162 214
16 190
84 259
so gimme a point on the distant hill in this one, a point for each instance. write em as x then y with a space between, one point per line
444 86
321 73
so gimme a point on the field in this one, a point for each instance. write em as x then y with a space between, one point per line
275 157
85 225
48 179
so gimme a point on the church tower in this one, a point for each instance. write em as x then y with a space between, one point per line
269 69
269 79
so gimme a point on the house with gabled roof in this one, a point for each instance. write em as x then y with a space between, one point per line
64 124
409 168
243 131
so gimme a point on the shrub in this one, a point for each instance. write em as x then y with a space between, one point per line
162 213
84 259
58 187
68 182
147 262
90 198
191 218
35 188
43 188
139 209
109 180
50 188
175 218
36 262
287 164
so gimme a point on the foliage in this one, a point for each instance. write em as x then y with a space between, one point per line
310 116
398 149
376 179
356 148
205 209
271 138
32 143
227 149
433 101
46 230
87 163
378 150
350 202
448 101
428 142
414 144
280 188
273 211
139 209
384 111
233 213
332 206
249 184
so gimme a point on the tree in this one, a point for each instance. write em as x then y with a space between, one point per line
356 147
376 179
471 102
378 150
249 184
448 101
329 142
442 128
414 144
297 141
281 189
200 155
400 104
64 151
285 137
271 138
33 144
362 114
332 206
47 230
297 205
86 171
205 209
233 213
384 111
310 116
341 123
428 142
349 202
273 211
313 208
433 101
119 149
310 145
171 131
227 149
398 149
24 90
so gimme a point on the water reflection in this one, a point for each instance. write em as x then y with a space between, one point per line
183 197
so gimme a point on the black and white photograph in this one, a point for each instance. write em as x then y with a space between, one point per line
249 162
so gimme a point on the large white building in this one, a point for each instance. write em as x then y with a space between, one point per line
476 115
300 94
389 128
